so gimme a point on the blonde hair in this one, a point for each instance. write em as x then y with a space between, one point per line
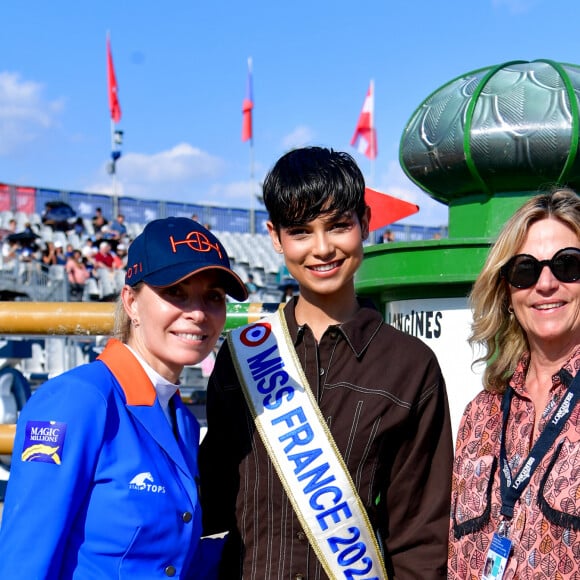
494 327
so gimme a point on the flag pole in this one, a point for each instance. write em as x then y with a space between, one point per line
113 167
373 128
248 134
252 187
116 136
252 183
365 134
372 151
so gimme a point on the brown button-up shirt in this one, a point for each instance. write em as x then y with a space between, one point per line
383 397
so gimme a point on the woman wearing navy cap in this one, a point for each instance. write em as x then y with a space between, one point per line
104 473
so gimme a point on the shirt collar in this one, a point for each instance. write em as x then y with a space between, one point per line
563 376
164 388
357 332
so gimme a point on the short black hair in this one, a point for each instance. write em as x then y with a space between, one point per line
308 182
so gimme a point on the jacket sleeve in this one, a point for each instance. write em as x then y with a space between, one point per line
222 448
417 497
46 493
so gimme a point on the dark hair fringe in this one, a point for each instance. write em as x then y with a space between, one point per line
475 524
561 519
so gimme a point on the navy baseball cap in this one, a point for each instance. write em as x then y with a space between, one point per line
171 249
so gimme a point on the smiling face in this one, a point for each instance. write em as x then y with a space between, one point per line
178 325
548 311
324 254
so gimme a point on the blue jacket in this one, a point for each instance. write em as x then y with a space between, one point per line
100 487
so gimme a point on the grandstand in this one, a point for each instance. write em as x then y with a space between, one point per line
242 231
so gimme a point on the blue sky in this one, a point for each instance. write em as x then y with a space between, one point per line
181 67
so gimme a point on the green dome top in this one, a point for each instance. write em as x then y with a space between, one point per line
512 127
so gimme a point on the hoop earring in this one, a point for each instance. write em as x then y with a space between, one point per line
511 310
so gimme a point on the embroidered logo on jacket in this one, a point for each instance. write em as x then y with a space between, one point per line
43 441
144 482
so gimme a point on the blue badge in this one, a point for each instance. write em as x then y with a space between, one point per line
44 441
497 557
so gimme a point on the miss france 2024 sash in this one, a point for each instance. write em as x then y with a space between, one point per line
303 451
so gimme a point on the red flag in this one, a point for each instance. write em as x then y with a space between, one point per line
247 107
386 209
114 105
365 132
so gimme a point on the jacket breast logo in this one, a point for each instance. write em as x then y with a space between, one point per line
144 482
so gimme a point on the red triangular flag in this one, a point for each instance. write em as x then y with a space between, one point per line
114 105
386 209
365 135
247 106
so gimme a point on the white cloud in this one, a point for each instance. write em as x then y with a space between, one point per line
395 182
24 114
177 174
178 164
168 174
300 137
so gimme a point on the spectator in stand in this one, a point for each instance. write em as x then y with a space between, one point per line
104 258
88 250
10 251
77 274
252 288
79 227
388 236
47 256
52 255
59 253
105 266
99 220
121 255
68 252
118 229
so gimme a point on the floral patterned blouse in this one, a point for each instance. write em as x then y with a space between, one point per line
545 528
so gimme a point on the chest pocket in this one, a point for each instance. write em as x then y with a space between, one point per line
559 494
472 506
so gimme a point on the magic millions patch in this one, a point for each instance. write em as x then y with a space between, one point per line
44 441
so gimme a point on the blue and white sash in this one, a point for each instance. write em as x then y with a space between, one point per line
303 451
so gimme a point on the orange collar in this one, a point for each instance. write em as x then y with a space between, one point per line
129 372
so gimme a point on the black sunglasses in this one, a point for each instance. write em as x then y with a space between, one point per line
523 270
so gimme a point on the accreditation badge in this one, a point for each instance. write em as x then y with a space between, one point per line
497 557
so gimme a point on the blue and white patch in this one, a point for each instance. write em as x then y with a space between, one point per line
44 441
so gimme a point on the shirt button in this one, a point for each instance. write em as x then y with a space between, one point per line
186 517
170 571
321 372
300 536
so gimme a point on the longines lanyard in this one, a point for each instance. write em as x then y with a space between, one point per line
512 488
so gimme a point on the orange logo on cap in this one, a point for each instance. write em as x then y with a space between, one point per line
197 242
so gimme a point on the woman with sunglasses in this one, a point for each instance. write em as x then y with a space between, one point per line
516 477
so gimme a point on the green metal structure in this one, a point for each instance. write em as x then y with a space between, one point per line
481 145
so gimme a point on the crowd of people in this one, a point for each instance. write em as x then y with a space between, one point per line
328 451
100 257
